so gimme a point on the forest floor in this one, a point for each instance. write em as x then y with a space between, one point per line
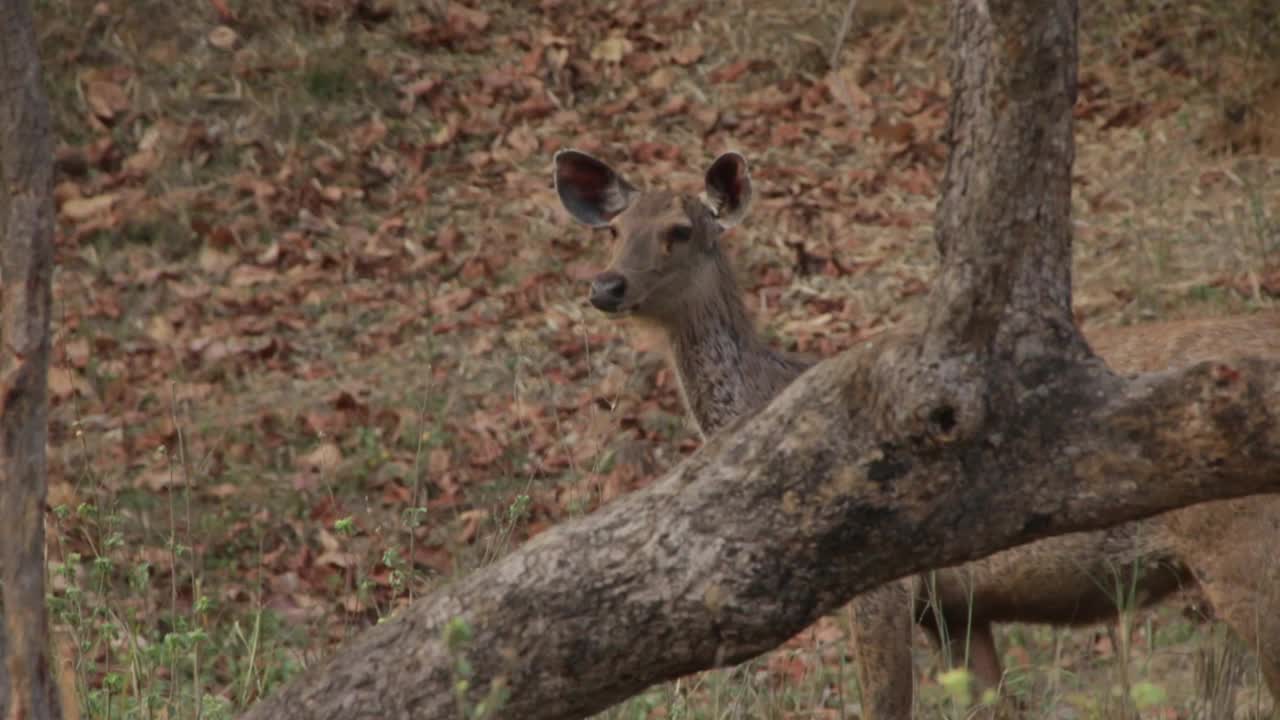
321 338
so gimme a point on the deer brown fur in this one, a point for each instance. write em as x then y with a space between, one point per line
669 269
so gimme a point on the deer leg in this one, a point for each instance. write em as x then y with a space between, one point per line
1230 549
969 644
882 637
984 659
1253 614
968 641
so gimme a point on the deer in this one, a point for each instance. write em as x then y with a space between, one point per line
669 270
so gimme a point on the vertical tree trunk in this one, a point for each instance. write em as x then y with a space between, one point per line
1004 219
26 265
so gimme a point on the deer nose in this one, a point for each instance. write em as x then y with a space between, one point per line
607 290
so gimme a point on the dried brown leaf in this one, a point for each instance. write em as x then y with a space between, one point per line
223 37
80 209
686 55
612 49
322 459
106 98
250 275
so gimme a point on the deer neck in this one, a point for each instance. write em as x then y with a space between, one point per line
725 368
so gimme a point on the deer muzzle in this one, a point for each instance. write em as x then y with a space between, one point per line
607 291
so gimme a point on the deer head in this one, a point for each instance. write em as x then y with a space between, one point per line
667 243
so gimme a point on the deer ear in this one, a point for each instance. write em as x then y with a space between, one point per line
729 188
590 190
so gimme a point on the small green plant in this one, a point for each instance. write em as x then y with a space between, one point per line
458 636
958 684
501 541
1146 695
329 80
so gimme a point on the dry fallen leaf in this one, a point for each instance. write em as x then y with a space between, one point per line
438 461
62 382
471 520
249 275
611 49
466 19
213 261
160 330
159 478
142 163
77 351
324 458
453 301
223 37
84 208
105 98
661 79
687 55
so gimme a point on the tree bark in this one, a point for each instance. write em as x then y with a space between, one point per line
26 266
992 427
1004 220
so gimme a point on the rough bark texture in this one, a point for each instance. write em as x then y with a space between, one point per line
26 260
993 427
1004 225
4 673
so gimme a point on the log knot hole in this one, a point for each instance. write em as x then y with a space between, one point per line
889 467
943 419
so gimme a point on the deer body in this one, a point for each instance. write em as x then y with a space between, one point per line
670 270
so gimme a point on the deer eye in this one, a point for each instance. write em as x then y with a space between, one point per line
613 231
678 234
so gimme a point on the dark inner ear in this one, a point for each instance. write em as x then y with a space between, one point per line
729 187
727 176
589 189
